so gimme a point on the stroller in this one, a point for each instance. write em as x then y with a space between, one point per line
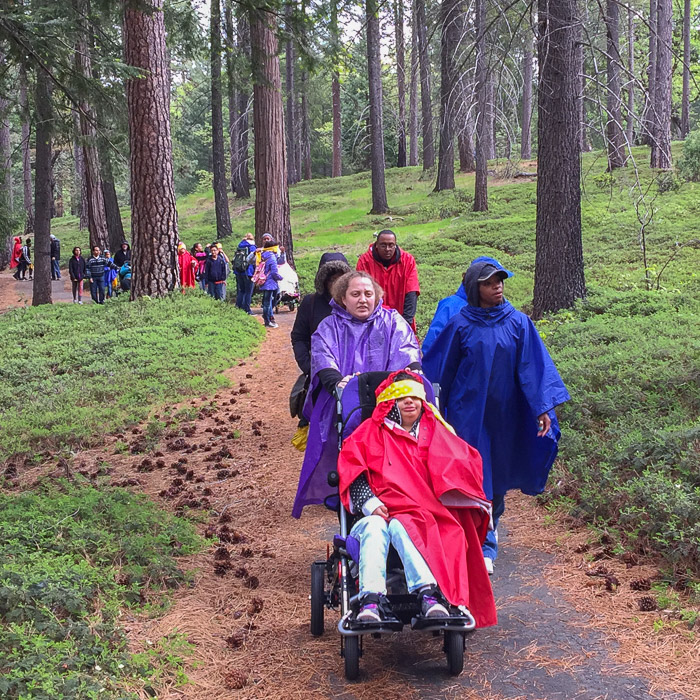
334 581
288 288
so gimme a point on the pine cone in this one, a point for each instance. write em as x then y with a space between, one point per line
647 603
234 679
641 584
255 606
611 583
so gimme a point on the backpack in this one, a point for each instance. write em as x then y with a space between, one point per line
240 259
259 276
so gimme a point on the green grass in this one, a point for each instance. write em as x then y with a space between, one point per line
72 557
70 374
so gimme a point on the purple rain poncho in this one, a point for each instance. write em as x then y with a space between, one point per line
383 342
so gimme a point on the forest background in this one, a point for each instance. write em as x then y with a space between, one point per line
600 180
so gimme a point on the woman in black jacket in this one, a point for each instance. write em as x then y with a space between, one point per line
77 271
315 307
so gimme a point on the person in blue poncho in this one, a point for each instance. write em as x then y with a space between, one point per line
499 389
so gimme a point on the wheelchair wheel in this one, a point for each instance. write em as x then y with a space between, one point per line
318 570
352 657
454 650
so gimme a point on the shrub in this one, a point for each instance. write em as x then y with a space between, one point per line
689 162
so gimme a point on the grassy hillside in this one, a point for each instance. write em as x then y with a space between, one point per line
629 355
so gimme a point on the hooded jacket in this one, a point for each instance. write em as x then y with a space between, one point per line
315 307
122 256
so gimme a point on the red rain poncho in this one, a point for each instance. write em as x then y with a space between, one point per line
187 265
411 477
396 280
16 252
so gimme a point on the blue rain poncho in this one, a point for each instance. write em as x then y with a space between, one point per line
496 378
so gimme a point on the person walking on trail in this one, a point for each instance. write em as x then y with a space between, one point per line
16 256
95 268
215 273
315 307
449 306
499 390
396 273
187 265
111 273
55 257
122 255
243 269
77 271
270 287
25 260
200 255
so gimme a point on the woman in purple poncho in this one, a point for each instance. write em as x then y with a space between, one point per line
360 335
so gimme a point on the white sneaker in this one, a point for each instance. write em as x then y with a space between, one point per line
489 565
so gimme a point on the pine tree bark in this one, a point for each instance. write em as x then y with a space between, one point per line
153 212
649 118
481 197
97 221
685 98
425 89
79 195
465 146
631 76
43 202
452 16
400 82
337 170
581 64
615 140
374 71
223 216
413 95
661 144
305 127
526 130
490 119
231 92
291 130
240 177
271 190
26 154
6 153
559 277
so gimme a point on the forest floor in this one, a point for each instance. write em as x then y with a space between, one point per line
14 293
561 633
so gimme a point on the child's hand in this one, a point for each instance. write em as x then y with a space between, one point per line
382 511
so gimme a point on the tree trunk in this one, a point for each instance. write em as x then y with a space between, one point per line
241 176
526 132
97 221
374 71
452 24
559 278
26 153
231 93
335 90
465 145
661 145
685 99
57 210
649 119
413 95
631 76
425 91
490 119
43 109
291 131
305 128
271 191
79 186
581 102
153 213
223 216
481 197
617 153
6 154
400 82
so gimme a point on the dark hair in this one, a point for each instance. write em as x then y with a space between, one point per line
28 241
340 286
386 232
271 243
401 376
77 248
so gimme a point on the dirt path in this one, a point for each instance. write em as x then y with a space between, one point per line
15 293
561 635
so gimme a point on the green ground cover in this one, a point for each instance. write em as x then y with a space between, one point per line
72 558
70 374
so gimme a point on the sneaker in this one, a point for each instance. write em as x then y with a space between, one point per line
430 606
369 613
272 324
80 302
489 565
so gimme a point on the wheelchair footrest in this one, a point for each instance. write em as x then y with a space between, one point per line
350 627
455 623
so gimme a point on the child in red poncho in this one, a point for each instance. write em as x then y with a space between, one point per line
187 265
420 489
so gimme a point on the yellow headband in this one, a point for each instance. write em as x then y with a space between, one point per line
404 387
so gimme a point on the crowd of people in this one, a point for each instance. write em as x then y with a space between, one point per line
433 485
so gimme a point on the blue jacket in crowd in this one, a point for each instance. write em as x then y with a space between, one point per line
273 276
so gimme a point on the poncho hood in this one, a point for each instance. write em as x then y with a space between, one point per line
330 264
471 284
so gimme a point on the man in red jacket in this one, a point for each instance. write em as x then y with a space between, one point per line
395 272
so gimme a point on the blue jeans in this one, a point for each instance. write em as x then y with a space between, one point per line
55 269
267 304
218 291
490 546
375 535
244 291
97 289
